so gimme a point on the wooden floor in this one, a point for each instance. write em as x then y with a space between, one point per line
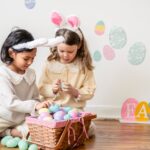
112 135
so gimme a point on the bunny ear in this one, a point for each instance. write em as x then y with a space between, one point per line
73 21
56 18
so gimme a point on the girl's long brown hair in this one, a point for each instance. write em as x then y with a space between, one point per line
72 38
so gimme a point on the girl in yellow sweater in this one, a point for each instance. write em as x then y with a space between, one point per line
68 77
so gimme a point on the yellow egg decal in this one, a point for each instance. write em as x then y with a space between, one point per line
100 28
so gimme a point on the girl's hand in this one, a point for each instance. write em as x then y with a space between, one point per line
44 104
56 86
68 88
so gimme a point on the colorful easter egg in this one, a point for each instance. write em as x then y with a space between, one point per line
117 37
74 113
100 28
33 147
59 115
84 113
108 52
67 117
42 110
17 139
142 111
48 118
43 115
97 56
128 109
12 143
5 139
30 3
23 145
137 53
67 109
54 108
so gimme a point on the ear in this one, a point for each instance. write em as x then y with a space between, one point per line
57 18
73 21
11 53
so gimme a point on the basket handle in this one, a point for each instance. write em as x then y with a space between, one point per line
63 134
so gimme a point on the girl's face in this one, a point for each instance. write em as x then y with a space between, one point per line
67 53
22 60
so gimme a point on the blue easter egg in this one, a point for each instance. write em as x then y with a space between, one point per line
54 108
67 109
67 117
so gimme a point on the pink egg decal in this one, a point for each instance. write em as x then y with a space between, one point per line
108 52
128 109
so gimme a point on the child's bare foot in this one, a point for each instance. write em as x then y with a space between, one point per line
15 133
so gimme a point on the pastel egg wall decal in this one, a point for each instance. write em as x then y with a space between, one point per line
108 52
137 53
128 109
141 112
97 56
117 37
30 4
100 28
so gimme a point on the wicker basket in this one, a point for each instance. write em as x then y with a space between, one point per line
60 135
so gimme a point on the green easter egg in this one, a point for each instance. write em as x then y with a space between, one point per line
33 147
11 143
23 145
17 139
5 139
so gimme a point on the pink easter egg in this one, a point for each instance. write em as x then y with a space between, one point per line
84 113
73 113
43 115
128 109
48 118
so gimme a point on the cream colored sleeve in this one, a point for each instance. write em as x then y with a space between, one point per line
45 84
86 92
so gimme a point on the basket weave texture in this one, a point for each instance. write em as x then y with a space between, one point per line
59 135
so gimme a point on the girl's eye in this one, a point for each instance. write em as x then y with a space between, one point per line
26 59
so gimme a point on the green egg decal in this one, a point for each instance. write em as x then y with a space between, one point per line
117 37
137 53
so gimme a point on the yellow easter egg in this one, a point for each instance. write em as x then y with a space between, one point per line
43 110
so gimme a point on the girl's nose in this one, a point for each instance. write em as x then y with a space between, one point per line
65 54
30 62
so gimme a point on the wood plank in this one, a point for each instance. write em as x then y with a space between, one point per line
112 134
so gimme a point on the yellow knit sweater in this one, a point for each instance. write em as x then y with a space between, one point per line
72 73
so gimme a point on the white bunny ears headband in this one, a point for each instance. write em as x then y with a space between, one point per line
39 42
71 22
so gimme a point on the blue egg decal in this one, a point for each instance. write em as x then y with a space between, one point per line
30 4
117 37
137 53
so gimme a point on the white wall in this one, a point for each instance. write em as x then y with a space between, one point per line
116 80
